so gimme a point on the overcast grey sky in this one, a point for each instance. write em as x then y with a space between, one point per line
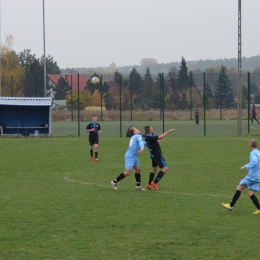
92 33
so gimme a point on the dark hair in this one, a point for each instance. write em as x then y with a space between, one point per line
128 133
131 130
147 129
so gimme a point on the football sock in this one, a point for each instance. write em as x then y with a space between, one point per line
159 176
91 152
96 154
235 198
255 201
120 177
151 177
138 179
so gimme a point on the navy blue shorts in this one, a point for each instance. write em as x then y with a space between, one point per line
93 140
158 161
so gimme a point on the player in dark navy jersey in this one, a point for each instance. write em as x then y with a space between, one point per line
93 128
152 142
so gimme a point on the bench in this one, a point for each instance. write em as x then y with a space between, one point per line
27 129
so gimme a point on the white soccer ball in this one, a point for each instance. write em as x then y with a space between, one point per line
95 80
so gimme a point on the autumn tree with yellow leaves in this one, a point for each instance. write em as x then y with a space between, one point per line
11 71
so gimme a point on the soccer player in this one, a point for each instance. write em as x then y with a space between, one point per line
197 115
253 114
136 146
93 128
251 181
152 142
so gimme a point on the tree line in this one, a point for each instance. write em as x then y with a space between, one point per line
183 89
22 75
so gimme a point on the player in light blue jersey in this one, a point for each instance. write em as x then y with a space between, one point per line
251 181
136 146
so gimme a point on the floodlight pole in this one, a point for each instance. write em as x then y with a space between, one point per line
239 83
190 99
131 94
0 54
71 98
248 103
160 85
44 67
163 100
204 101
78 109
101 96
120 102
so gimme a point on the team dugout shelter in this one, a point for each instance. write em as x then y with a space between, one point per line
24 116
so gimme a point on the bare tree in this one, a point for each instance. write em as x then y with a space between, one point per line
147 62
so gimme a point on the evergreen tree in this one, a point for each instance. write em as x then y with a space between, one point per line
224 87
108 101
171 82
184 101
157 94
137 87
62 89
173 91
208 90
33 69
116 77
51 65
31 66
192 80
148 90
210 102
183 78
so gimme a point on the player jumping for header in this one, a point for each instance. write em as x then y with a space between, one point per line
136 146
152 142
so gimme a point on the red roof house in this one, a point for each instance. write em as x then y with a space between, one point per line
70 78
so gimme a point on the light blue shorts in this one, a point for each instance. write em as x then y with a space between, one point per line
130 162
250 185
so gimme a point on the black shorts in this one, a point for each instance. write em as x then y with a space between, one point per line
93 139
158 161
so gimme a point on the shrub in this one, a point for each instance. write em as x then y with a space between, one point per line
148 115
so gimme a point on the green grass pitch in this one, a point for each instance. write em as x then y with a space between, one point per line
56 204
183 128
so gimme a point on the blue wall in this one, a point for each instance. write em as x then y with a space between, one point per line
27 116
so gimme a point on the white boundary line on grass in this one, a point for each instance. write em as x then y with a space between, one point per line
66 178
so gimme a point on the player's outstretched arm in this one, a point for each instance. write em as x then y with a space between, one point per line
165 134
141 150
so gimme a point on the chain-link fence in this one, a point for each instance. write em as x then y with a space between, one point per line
157 97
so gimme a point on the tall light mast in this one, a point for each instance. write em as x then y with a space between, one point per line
239 82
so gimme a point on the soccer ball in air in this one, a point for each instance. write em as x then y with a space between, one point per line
95 80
